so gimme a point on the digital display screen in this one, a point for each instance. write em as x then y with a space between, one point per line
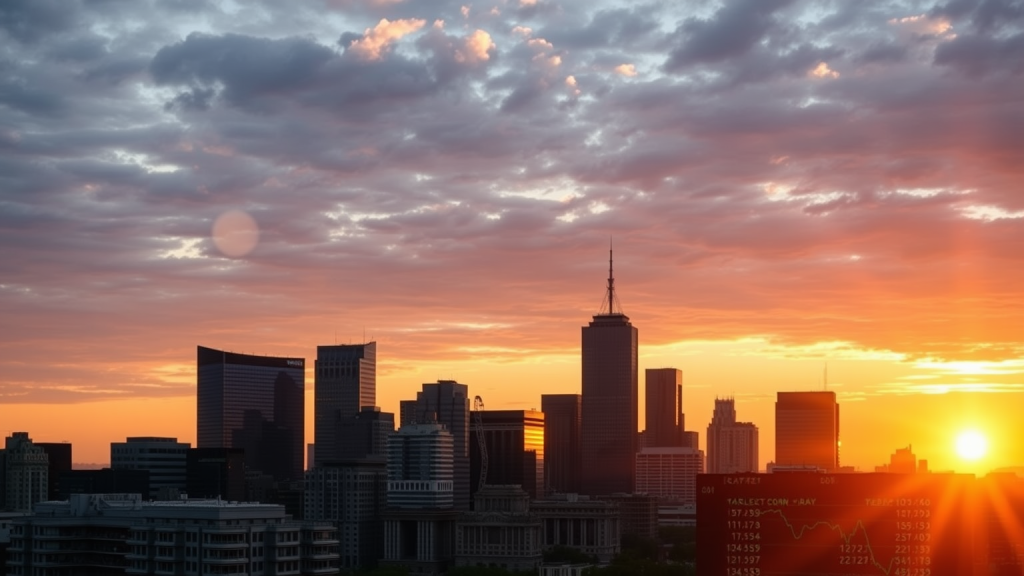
804 523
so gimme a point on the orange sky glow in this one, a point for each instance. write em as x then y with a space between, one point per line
788 186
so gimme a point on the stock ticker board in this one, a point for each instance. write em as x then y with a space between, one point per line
809 524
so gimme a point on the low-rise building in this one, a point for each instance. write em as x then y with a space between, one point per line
590 526
122 534
500 532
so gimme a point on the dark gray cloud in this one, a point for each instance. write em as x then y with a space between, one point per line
809 172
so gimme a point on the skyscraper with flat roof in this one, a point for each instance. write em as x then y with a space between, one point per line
255 403
664 403
609 411
446 402
807 429
345 382
562 463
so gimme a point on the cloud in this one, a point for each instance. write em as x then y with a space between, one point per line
476 48
375 41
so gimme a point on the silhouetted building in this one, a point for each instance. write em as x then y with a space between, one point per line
420 518
99 534
103 481
515 450
255 403
164 458
638 513
576 521
609 415
26 473
215 473
446 402
669 473
691 439
562 460
345 383
807 429
59 456
500 531
664 402
352 494
732 445
365 434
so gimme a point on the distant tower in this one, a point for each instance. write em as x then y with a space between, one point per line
562 463
164 458
732 445
664 402
345 382
609 415
807 429
446 402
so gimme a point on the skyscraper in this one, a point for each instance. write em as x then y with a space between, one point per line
26 473
664 403
345 382
732 445
609 414
446 402
515 450
255 403
562 463
807 429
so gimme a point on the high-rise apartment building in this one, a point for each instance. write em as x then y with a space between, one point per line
515 450
255 403
164 458
352 494
609 412
420 520
669 473
345 382
562 463
732 445
664 403
807 429
26 473
446 402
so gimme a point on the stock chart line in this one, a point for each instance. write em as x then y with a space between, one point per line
842 534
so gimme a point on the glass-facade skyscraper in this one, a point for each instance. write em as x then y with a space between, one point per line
345 382
807 429
609 412
254 403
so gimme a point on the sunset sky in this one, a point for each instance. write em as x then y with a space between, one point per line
788 185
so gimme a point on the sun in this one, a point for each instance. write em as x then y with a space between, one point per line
971 445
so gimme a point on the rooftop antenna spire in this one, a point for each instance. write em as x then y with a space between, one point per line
611 280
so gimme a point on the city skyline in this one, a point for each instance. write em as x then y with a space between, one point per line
789 186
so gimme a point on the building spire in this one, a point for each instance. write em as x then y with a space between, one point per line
611 280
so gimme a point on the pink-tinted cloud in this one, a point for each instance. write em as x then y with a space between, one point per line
800 176
375 41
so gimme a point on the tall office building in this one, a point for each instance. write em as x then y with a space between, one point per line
352 495
362 436
164 458
609 414
515 450
345 382
59 456
420 520
26 473
562 463
446 402
255 403
664 402
732 445
807 429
